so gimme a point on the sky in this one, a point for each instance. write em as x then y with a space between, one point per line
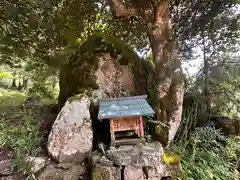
193 66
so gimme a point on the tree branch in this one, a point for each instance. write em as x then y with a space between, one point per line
120 10
214 9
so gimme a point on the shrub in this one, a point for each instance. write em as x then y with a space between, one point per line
208 155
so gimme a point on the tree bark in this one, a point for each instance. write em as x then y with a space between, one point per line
159 34
168 76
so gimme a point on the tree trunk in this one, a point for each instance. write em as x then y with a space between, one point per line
25 83
168 81
14 81
206 78
20 84
168 78
14 85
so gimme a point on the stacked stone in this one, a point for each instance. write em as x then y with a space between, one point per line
128 162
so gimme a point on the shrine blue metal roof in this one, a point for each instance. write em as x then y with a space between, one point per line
125 106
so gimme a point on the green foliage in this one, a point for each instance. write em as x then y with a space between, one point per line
45 88
48 101
10 97
226 82
46 31
19 131
30 78
204 152
4 75
21 134
22 137
208 155
223 87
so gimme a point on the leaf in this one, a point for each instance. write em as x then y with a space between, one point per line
4 75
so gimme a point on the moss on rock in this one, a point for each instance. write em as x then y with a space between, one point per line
76 97
170 158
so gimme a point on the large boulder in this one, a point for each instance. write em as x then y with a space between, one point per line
70 139
107 63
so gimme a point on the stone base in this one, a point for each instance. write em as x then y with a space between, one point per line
64 171
103 172
128 162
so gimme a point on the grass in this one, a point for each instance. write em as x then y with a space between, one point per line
204 152
207 155
16 98
48 101
19 130
22 137
10 97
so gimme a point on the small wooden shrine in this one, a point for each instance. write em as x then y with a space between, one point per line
125 116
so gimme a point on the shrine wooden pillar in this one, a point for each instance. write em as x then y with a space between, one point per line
112 132
141 129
